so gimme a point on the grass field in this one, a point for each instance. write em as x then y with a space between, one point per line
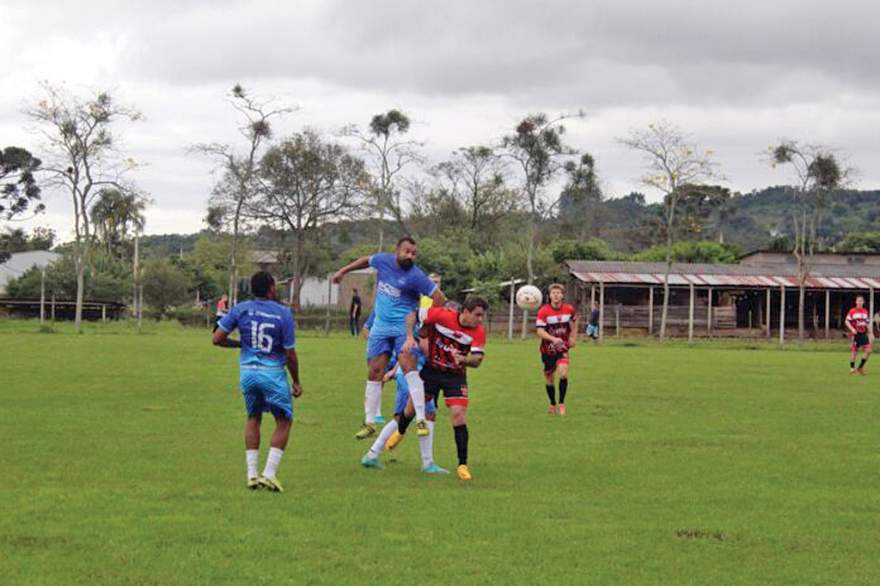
122 463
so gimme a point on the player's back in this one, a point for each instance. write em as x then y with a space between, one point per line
266 329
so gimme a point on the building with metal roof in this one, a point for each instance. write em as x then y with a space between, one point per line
752 297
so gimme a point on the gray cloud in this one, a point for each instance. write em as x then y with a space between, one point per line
737 75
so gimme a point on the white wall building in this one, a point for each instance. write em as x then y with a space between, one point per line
20 262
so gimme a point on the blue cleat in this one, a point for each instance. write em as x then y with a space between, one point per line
368 462
433 468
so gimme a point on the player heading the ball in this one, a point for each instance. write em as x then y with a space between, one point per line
399 286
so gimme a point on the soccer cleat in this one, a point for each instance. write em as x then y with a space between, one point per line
433 468
852 371
394 441
861 371
552 410
253 483
368 462
380 420
271 484
463 472
561 409
422 428
366 431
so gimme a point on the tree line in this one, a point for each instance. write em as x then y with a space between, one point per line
514 206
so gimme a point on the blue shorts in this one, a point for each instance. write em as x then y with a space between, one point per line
266 390
403 395
378 344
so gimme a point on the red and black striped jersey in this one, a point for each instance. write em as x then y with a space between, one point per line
859 319
447 337
558 323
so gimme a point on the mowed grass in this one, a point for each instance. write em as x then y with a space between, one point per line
122 463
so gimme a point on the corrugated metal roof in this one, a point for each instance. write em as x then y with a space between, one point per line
718 275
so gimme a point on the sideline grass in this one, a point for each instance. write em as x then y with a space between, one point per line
122 463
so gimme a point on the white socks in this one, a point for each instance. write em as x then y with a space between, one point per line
417 392
253 459
372 401
272 462
379 445
426 446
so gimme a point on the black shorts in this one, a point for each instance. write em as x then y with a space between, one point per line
861 340
551 361
453 386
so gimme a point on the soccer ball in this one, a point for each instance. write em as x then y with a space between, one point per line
529 297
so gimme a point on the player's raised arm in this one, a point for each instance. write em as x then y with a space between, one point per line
361 263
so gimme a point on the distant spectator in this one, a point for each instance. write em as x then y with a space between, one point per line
222 310
354 312
593 324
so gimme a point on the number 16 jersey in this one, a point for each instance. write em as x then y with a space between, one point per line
267 331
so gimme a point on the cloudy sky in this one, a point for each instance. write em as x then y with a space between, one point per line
736 75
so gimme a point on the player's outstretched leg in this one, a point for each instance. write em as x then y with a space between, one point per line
371 458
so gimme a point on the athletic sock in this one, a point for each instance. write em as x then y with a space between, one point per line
417 392
551 394
403 423
461 442
372 400
852 364
272 462
862 363
426 446
563 388
379 445
252 457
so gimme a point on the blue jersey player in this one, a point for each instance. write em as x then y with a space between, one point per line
399 286
267 340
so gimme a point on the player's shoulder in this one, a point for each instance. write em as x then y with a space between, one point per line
544 310
569 308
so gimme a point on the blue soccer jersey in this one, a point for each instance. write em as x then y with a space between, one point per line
397 292
267 331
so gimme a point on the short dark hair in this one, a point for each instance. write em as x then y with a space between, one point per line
472 302
261 283
409 239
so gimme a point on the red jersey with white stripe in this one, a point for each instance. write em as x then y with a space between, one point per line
558 323
859 319
446 337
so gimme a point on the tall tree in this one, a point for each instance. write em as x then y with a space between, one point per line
671 162
388 153
239 181
474 177
83 158
538 151
115 215
307 182
818 176
18 182
580 201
